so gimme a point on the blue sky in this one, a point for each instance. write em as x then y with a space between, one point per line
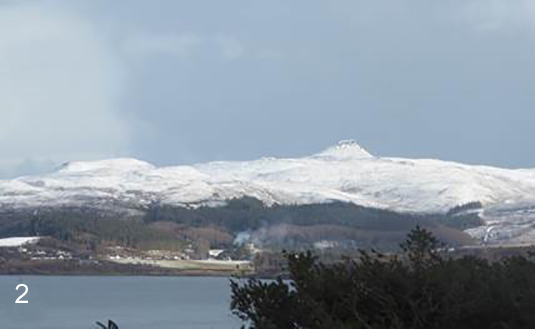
175 82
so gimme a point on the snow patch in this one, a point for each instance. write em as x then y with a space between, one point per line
18 241
345 149
345 172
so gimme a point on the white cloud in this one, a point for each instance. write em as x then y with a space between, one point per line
191 46
492 15
59 89
270 54
230 48
184 46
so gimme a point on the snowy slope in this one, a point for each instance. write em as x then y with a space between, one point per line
344 172
18 241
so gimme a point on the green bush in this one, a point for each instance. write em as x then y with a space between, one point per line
420 288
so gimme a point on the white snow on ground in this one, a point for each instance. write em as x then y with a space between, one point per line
221 262
215 252
18 241
344 172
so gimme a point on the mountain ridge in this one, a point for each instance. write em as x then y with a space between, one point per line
345 172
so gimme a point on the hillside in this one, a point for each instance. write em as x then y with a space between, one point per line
342 173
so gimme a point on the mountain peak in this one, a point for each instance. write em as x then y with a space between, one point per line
345 149
120 164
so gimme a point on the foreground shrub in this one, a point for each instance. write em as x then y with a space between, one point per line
420 288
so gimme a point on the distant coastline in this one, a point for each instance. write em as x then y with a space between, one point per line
115 268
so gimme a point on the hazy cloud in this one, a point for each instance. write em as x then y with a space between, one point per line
59 89
191 46
184 46
230 47
492 15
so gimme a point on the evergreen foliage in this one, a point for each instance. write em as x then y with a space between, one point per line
161 226
419 289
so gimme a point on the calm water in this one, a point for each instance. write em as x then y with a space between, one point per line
133 302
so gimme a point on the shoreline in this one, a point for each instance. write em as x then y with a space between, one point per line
114 268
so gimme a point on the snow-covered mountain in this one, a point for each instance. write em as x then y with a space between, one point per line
344 172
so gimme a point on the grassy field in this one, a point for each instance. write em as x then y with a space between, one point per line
192 265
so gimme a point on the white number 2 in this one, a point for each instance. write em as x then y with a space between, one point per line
19 301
